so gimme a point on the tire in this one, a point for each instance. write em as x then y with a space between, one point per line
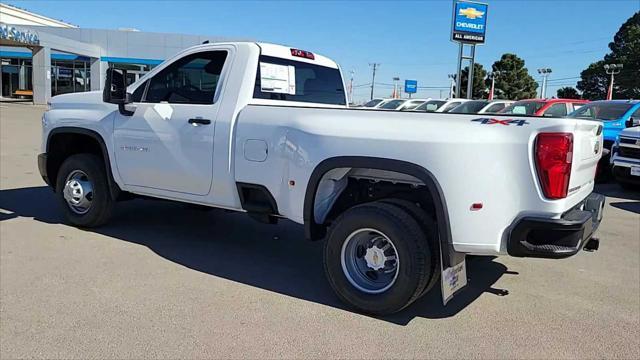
430 230
87 173
378 291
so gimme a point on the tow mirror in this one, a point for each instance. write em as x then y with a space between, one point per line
632 122
115 90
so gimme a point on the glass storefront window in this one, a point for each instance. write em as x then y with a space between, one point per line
70 76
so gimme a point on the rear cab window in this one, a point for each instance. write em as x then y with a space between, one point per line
291 80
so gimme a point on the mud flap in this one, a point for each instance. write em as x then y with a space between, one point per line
453 270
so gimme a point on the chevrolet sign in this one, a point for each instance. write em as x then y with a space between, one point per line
469 22
12 33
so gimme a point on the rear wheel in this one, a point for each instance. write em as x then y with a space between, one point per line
430 230
377 258
83 191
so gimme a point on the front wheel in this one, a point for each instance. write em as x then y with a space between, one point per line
83 191
377 258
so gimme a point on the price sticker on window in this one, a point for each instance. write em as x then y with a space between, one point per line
276 78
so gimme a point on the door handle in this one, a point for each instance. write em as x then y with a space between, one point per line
199 121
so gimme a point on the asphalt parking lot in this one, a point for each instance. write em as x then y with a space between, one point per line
166 281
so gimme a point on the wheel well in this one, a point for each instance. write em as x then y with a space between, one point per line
62 145
355 179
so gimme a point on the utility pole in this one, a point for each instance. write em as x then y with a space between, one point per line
373 77
545 72
351 88
452 87
612 69
493 75
395 87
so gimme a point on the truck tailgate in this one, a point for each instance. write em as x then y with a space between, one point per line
587 151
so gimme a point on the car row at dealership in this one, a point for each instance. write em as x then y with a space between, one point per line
623 159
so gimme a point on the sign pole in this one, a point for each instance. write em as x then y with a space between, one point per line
470 77
459 75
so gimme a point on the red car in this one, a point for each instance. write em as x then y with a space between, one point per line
544 107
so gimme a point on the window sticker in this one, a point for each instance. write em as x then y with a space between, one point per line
277 78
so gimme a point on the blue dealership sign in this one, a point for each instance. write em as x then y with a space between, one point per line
411 86
469 22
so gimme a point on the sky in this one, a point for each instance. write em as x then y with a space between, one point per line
409 39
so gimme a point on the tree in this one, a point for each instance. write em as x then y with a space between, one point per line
568 93
479 86
513 81
625 50
594 82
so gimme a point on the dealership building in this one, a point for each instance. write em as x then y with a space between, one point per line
42 57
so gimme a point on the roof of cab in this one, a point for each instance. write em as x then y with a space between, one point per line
284 52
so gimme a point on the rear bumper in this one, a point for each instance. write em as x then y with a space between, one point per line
622 173
557 238
42 168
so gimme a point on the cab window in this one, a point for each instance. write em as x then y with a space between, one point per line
556 110
190 80
290 80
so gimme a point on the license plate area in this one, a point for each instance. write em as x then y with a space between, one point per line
635 171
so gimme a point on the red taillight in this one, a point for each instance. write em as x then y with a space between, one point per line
554 152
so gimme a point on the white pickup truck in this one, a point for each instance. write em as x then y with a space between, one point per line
399 198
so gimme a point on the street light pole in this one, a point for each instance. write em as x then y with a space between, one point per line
612 69
373 77
493 75
545 72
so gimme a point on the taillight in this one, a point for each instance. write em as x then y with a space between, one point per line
554 152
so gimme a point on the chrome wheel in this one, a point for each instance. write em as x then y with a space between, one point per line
78 192
370 261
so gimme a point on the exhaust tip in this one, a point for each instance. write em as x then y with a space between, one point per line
592 245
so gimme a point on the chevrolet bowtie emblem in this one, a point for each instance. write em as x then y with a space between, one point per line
471 13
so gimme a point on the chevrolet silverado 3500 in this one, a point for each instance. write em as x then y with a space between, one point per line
399 198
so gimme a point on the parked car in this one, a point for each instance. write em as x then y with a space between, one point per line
544 107
470 107
614 115
372 103
393 104
264 129
495 106
411 104
440 105
430 106
625 156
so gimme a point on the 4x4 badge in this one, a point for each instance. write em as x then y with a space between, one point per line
507 122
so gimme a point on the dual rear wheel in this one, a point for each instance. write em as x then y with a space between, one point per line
381 256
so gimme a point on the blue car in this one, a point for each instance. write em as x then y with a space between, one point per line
614 115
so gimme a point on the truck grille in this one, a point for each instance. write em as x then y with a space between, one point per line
629 152
624 140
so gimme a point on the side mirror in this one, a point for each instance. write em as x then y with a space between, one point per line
632 122
115 90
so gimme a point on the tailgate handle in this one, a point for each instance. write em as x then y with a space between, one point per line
199 121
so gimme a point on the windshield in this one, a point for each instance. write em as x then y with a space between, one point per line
523 108
601 111
431 105
372 103
469 107
393 104
412 104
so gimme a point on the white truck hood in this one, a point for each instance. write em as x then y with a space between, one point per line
633 132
